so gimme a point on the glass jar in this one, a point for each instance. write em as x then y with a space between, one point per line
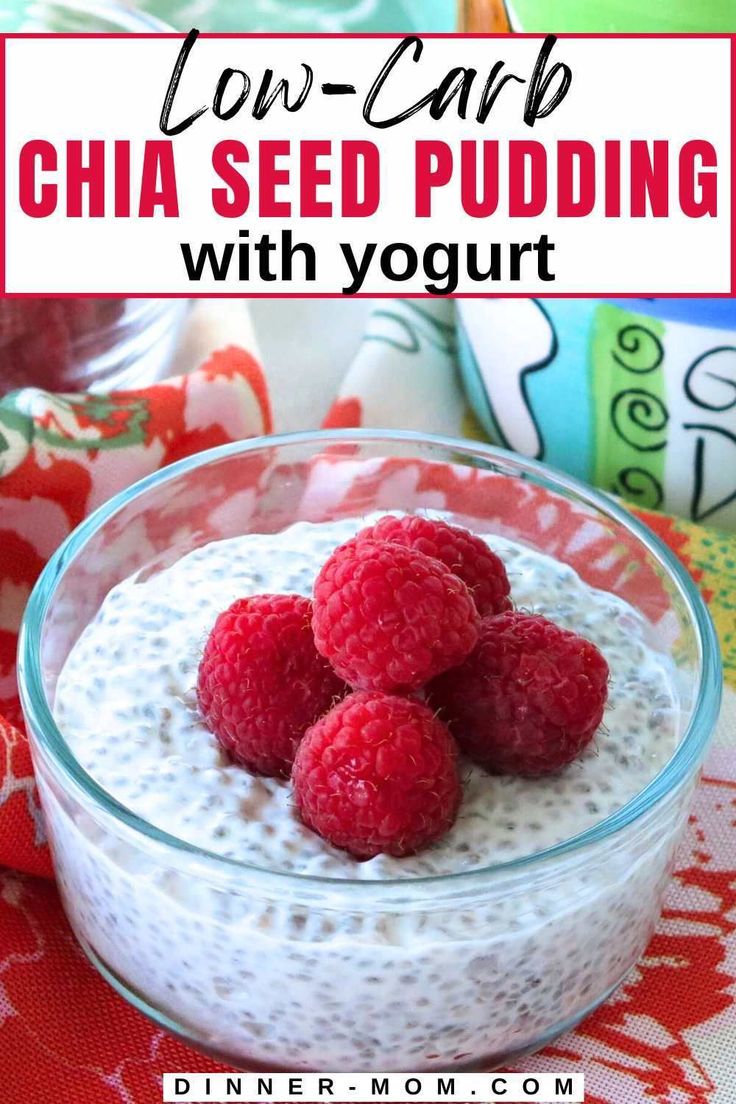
267 969
74 343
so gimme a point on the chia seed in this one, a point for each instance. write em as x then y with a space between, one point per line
233 968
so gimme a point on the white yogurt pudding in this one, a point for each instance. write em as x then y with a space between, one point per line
126 704
349 974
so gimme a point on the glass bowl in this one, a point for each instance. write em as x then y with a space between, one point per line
280 971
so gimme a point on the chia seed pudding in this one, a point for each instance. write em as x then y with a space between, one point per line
351 973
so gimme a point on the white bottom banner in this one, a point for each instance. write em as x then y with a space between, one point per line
390 1087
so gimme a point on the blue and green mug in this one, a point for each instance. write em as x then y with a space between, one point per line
637 396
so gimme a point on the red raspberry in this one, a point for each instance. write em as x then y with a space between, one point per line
42 355
389 618
261 682
466 555
377 775
14 316
528 699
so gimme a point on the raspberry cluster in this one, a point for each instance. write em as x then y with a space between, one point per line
409 652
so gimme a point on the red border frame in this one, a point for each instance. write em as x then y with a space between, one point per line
2 165
733 165
362 295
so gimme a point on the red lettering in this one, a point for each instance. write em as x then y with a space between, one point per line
649 179
433 170
311 177
522 205
270 177
613 179
353 154
122 179
706 201
41 202
89 176
488 202
158 166
572 201
233 200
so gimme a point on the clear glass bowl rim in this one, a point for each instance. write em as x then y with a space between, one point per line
680 767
